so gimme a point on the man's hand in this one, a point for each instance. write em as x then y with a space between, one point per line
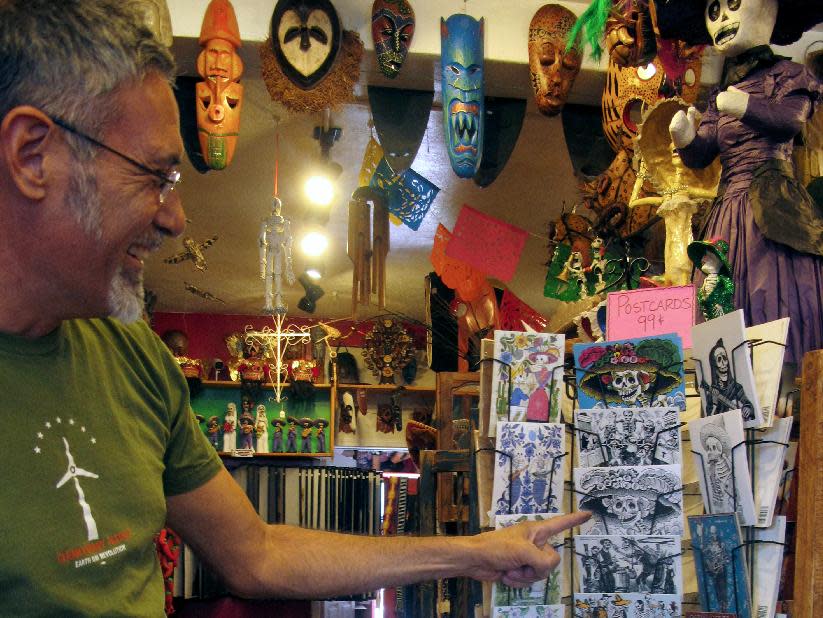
521 554
683 127
733 102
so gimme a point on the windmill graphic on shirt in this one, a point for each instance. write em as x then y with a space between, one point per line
71 474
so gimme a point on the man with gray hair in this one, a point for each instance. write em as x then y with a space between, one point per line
109 452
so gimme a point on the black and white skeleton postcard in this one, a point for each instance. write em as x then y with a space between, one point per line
627 437
724 369
637 500
722 468
650 564
628 605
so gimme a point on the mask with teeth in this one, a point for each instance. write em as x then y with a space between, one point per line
736 26
392 29
552 69
461 61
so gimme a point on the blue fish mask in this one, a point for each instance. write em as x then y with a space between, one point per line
461 61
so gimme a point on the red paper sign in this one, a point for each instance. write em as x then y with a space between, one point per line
651 311
488 244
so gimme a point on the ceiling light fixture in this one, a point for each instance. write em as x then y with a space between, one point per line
314 243
319 187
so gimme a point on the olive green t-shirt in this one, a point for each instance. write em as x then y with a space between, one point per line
98 430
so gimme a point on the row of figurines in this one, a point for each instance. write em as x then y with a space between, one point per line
253 432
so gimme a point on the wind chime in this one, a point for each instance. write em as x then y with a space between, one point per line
368 246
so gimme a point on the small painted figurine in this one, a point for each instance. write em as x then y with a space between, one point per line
277 435
247 429
305 435
321 425
229 428
261 430
275 255
291 445
716 294
213 431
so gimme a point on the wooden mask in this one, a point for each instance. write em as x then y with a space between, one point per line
392 29
461 61
552 69
220 96
306 36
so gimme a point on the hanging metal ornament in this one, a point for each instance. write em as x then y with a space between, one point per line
392 29
387 349
305 37
461 61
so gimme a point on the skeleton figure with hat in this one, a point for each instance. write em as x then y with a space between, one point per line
716 294
774 228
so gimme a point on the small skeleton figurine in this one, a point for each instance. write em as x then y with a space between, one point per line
598 265
229 428
247 428
576 272
291 446
275 249
305 436
277 436
321 425
213 431
261 430
716 295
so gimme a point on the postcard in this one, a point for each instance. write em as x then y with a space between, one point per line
528 468
768 553
632 373
767 363
649 564
722 579
528 376
534 611
721 464
546 592
769 456
630 500
627 437
626 605
724 369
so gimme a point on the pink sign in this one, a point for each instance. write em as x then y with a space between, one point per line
648 312
490 245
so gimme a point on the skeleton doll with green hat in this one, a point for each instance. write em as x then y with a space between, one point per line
716 294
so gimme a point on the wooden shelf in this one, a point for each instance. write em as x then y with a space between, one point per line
225 455
232 384
386 388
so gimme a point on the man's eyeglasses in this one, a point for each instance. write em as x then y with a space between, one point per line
169 178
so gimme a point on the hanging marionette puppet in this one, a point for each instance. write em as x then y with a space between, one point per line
461 61
275 255
774 228
220 96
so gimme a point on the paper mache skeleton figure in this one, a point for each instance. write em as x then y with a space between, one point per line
247 431
275 257
277 435
724 393
291 443
320 434
230 428
719 467
213 431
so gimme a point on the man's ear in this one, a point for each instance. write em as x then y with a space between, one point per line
26 134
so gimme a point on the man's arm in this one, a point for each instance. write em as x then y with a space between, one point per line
260 560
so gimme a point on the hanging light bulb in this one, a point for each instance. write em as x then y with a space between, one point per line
314 243
319 190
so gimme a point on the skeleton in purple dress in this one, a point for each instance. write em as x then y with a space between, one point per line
773 227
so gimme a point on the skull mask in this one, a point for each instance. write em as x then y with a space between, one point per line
552 68
736 26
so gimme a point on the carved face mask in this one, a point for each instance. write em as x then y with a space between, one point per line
306 37
552 69
392 29
219 97
738 25
461 61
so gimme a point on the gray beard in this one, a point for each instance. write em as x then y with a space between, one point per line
126 297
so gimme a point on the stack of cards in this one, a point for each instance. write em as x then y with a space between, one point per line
628 475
